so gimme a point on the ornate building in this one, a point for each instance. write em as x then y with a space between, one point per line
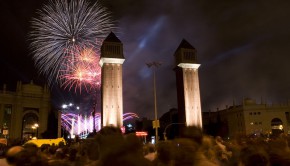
111 61
24 112
187 82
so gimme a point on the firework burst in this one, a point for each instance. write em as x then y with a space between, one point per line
63 26
81 70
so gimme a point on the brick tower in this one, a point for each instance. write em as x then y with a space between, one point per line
187 82
111 61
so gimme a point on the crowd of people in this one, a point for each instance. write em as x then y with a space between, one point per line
110 147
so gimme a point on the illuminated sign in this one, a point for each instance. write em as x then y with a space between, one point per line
141 133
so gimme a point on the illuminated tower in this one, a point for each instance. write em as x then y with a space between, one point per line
188 94
111 62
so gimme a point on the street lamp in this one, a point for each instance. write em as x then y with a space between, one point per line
5 130
35 127
156 124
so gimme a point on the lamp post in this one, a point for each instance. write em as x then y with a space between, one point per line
93 115
95 107
35 127
156 124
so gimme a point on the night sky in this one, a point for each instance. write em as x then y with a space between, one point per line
242 46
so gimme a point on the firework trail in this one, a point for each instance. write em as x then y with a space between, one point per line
62 26
82 70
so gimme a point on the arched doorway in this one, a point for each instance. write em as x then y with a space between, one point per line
277 126
29 122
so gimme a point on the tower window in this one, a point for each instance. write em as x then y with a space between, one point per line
189 55
113 49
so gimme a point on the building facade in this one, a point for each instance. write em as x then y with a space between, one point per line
252 118
24 112
111 61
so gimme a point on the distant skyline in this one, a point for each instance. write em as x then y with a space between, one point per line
242 46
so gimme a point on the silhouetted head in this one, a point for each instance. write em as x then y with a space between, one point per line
14 154
110 130
254 156
194 133
184 149
164 151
